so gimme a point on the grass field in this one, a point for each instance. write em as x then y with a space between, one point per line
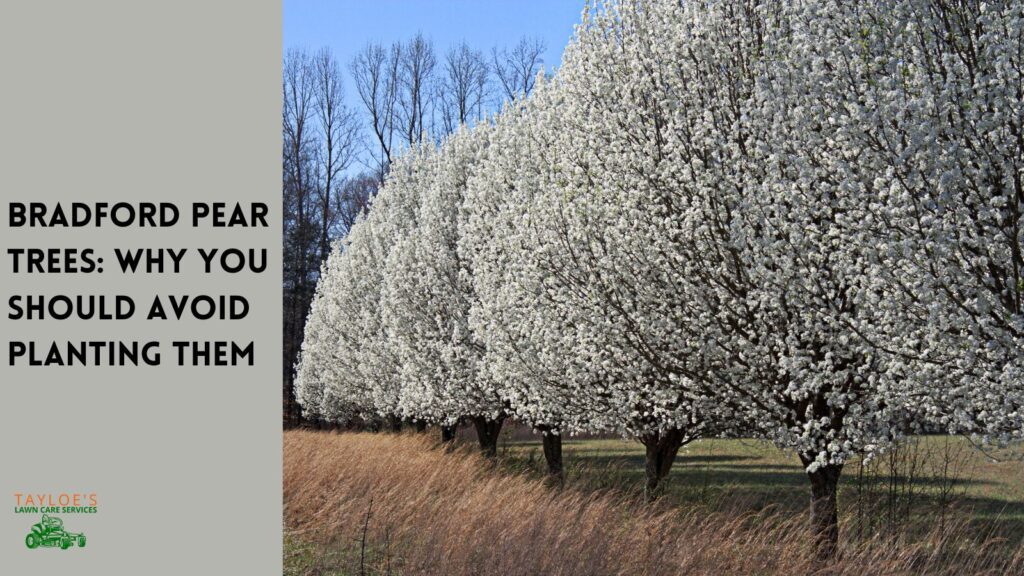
399 504
753 475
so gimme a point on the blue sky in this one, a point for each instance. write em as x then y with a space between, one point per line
347 25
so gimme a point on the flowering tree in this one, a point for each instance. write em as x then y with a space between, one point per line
317 362
572 301
349 366
936 118
886 221
497 238
427 296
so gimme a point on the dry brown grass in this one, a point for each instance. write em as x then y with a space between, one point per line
359 503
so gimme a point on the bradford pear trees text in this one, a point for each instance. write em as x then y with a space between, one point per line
157 310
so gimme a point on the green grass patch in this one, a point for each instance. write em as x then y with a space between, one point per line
923 481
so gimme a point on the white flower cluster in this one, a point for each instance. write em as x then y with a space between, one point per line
801 220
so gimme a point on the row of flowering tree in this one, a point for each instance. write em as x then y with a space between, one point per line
794 220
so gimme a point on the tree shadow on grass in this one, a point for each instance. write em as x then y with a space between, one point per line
744 482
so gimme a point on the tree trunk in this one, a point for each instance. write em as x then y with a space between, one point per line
824 520
487 431
448 433
421 425
553 455
661 450
395 423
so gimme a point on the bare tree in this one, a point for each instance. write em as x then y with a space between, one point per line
297 183
417 63
352 199
462 87
396 87
297 88
336 147
376 73
517 68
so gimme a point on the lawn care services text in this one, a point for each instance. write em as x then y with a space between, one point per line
62 263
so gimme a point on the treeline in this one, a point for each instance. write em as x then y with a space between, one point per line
338 152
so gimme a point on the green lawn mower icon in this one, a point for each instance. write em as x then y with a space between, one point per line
49 532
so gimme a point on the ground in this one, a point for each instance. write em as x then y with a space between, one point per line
990 481
402 504
745 473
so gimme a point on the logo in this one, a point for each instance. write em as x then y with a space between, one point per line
50 533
